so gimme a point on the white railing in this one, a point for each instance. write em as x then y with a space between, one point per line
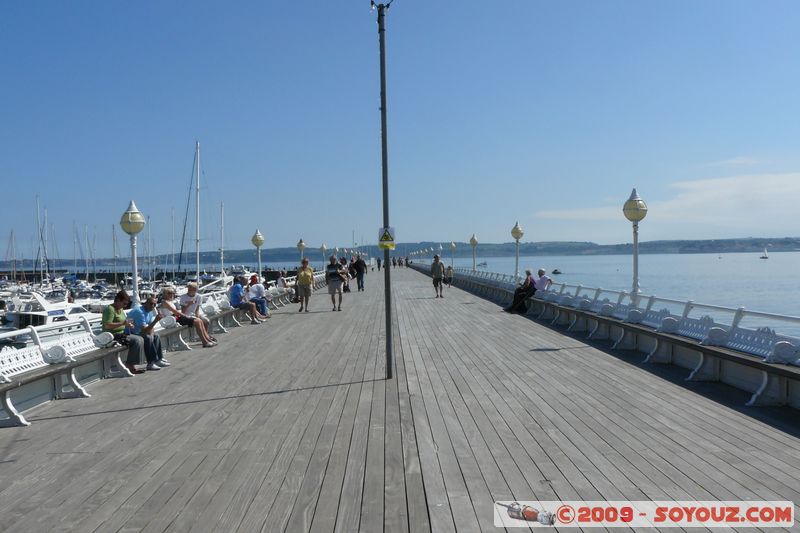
753 332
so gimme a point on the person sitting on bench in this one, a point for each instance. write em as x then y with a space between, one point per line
522 293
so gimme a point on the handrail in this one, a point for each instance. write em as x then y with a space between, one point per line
643 302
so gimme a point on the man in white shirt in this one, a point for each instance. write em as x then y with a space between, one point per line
258 295
189 303
543 282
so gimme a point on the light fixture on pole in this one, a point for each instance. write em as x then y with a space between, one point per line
301 246
132 222
452 253
258 242
635 210
473 242
517 233
323 249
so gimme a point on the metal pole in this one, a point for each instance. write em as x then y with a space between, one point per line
258 251
385 172
516 264
635 290
197 215
473 259
135 295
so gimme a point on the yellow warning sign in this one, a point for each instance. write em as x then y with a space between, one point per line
386 238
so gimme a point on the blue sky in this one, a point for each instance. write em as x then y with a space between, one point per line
542 112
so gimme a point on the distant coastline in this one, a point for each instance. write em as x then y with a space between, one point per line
284 256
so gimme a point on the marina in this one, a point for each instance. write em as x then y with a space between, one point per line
279 430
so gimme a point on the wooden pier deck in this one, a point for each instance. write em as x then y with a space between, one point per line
290 426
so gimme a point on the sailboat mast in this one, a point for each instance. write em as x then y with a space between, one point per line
44 247
172 219
13 256
93 253
222 238
197 213
39 240
114 246
75 249
88 248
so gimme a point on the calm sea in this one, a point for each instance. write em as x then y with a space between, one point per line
731 280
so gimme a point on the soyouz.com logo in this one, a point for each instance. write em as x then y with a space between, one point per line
659 514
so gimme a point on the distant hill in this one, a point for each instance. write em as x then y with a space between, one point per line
290 256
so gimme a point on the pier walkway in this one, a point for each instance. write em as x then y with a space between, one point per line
290 426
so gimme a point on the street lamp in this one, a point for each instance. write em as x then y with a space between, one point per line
323 249
132 222
635 210
517 233
301 246
258 242
473 242
452 254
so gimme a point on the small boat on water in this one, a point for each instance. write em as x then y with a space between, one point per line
484 264
765 256
556 271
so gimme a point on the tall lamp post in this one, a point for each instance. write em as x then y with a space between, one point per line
473 242
132 222
635 210
323 249
517 233
301 246
258 242
452 254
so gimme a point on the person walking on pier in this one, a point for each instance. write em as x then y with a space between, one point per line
361 271
448 276
335 276
437 273
379 264
305 279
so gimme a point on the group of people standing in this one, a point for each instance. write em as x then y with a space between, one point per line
338 274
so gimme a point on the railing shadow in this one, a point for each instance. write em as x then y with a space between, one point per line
204 400
783 418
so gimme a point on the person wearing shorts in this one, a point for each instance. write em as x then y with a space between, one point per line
168 308
437 273
335 277
305 279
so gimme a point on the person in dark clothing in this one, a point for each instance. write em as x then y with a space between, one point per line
361 270
523 292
